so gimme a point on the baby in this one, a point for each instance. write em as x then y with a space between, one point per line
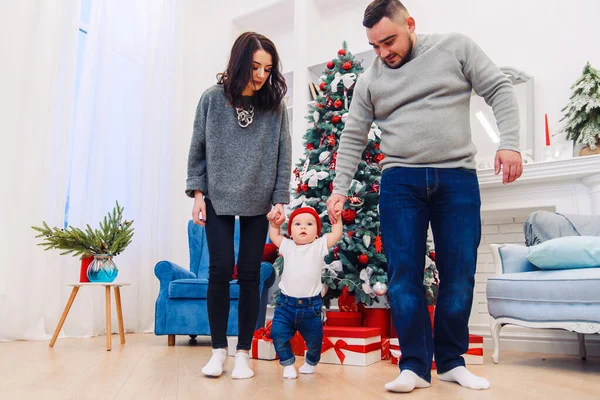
299 304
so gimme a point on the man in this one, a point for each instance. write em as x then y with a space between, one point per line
418 91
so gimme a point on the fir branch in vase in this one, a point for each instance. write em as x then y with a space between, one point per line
112 238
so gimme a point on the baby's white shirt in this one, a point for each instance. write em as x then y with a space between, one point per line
302 266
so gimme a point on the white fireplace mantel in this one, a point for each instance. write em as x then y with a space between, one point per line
570 186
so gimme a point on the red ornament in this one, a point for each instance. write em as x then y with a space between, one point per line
319 105
432 255
336 119
336 252
304 187
347 65
378 244
322 85
348 216
350 234
363 259
377 146
338 104
331 186
330 65
310 146
375 188
379 157
341 52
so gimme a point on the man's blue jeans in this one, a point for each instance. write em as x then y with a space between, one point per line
411 199
297 314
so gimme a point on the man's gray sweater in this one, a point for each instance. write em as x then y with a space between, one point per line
423 108
242 171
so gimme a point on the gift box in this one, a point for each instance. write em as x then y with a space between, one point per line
385 349
351 345
474 356
395 352
377 318
262 349
337 318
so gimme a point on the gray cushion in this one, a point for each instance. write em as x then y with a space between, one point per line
543 296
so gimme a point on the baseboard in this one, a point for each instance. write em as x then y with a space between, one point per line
516 338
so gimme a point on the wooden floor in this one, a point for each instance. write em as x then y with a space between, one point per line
146 368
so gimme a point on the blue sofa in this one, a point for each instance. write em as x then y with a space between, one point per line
181 303
522 294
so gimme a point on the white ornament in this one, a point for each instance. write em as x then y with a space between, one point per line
324 156
366 240
344 117
316 116
380 288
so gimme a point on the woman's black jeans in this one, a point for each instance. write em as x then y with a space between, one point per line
219 235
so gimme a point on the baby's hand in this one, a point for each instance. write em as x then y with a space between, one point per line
338 209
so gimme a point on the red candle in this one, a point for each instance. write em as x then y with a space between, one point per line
547 132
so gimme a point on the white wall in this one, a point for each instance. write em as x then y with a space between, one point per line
545 38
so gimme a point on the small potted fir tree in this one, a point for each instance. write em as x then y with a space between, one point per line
583 112
97 246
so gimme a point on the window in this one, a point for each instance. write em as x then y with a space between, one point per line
82 33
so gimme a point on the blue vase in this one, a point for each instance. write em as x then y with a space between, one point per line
102 269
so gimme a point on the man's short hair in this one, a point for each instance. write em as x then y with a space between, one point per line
382 8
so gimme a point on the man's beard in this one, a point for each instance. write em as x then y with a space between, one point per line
404 60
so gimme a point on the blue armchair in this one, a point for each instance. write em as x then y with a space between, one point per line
181 303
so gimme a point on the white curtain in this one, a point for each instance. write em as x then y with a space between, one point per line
37 41
124 123
119 148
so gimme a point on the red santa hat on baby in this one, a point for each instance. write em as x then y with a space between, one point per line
302 210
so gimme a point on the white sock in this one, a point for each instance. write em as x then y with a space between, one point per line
406 382
214 367
307 369
289 372
464 378
241 369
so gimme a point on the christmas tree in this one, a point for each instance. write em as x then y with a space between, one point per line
583 110
357 260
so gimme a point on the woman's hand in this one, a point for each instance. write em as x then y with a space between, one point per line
199 210
277 215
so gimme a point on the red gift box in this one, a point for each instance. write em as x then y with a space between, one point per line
385 349
377 318
337 318
351 345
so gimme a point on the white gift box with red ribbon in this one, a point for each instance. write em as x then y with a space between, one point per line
262 349
351 345
473 356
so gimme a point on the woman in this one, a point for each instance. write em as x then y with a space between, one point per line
239 164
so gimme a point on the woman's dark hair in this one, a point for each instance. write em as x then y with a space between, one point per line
379 9
239 72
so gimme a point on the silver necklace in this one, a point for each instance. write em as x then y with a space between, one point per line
244 117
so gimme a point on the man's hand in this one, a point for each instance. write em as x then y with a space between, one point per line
277 215
511 163
335 203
